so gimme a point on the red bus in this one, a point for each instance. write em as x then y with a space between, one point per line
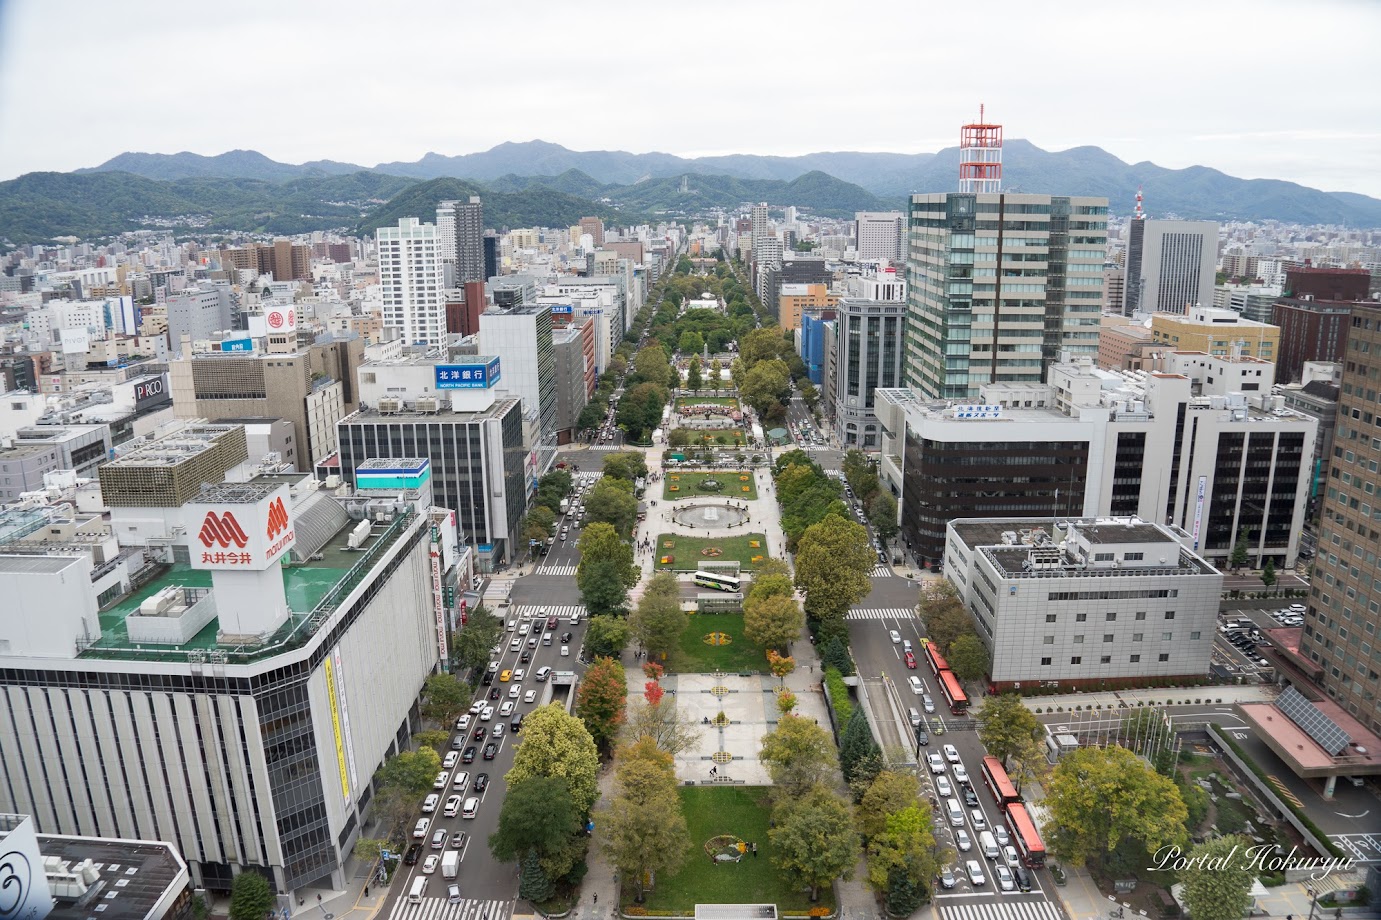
954 693
935 659
995 776
1028 841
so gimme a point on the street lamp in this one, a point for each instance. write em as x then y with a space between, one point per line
1313 899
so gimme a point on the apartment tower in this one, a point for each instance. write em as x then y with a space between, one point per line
413 281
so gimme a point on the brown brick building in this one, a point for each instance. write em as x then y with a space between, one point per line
284 259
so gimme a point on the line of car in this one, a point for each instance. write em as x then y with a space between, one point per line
994 842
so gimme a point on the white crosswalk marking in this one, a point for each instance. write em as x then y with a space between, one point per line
1014 909
587 476
442 909
881 613
556 570
565 612
882 571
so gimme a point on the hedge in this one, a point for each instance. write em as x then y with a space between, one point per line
839 696
1297 811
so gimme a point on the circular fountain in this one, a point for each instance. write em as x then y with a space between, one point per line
703 515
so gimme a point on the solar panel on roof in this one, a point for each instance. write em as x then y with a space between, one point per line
1325 732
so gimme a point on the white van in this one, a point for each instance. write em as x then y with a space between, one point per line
916 686
914 716
419 888
988 844
956 812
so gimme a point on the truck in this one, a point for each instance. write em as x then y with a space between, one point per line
565 505
450 864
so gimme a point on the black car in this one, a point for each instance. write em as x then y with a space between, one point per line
495 693
525 657
922 737
469 755
517 724
1023 878
479 733
969 798
565 638
487 679
481 782
490 750
458 840
410 857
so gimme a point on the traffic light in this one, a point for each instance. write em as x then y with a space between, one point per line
448 596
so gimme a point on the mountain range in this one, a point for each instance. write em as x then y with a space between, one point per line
539 183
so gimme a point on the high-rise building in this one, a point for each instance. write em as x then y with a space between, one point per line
595 227
971 324
794 299
880 235
412 281
1344 608
521 338
1114 289
283 259
460 240
1174 263
761 228
1314 315
868 337
491 254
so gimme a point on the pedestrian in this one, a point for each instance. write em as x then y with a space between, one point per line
366 891
596 897
755 848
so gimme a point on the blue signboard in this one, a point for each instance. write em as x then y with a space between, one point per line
237 345
467 376
561 309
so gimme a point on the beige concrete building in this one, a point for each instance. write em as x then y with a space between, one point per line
313 388
1215 332
1122 345
793 299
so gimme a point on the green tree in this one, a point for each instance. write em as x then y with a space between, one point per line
410 772
537 814
607 636
810 395
765 344
438 739
651 365
640 409
866 771
813 841
691 343
1240 552
1007 728
772 622
556 744
606 569
533 883
855 743
944 616
716 373
833 562
644 829
905 894
474 640
540 523
657 621
1101 798
798 754
444 698
611 501
1268 573
601 698
553 487
1218 881
369 849
766 386
694 379
251 898
627 465
968 657
836 655
889 793
882 514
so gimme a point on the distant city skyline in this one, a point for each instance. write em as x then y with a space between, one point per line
1236 86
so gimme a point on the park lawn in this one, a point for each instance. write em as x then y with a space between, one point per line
743 812
683 401
688 484
697 436
686 557
696 656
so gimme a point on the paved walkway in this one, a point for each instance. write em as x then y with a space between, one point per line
1165 696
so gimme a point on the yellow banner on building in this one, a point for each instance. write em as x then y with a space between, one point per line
335 727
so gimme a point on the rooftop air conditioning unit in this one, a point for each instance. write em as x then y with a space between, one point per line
428 404
389 406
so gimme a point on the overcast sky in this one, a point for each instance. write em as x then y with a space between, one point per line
1281 89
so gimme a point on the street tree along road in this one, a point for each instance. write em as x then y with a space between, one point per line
557 744
1011 732
833 562
644 829
601 698
606 569
537 814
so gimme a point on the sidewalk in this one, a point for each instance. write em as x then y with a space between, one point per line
1083 901
1163 696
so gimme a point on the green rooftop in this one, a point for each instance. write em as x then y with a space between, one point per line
313 590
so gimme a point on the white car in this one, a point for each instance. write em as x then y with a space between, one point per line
476 707
515 691
505 711
565 651
515 645
951 753
419 830
497 731
452 807
1009 856
463 723
530 696
896 636
943 787
460 782
487 714
979 821
961 839
937 763
519 673
1000 834
430 863
452 758
975 871
916 686
523 628
927 703
960 774
429 803
441 780
1004 878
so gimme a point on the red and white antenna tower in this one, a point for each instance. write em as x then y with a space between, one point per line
1140 214
980 157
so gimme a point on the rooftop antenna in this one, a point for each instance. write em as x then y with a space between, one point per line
1140 214
980 157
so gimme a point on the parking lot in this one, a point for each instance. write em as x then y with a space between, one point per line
1238 649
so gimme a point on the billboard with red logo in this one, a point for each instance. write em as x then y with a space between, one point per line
280 319
242 526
